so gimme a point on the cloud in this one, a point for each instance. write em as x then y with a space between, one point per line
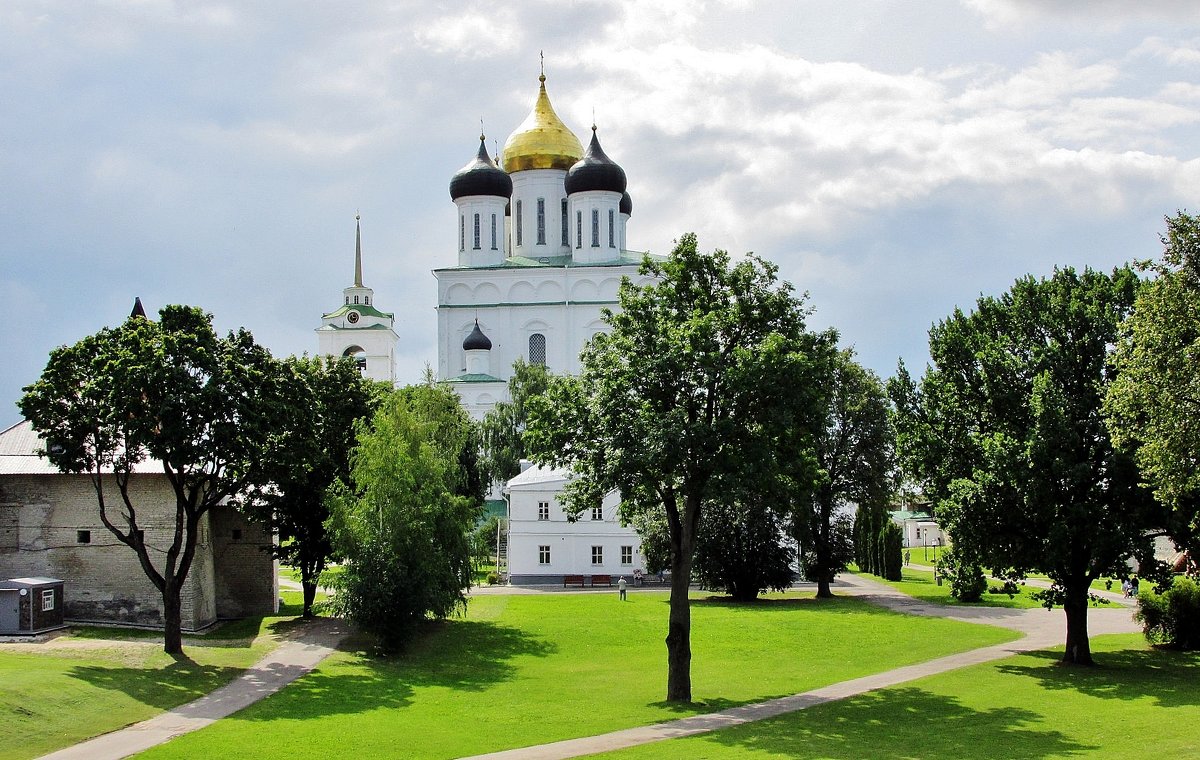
1093 13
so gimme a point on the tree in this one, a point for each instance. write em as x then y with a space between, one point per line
853 446
740 547
502 428
1007 433
700 371
404 524
318 454
1154 402
209 409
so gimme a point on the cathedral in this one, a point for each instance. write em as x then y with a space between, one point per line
541 237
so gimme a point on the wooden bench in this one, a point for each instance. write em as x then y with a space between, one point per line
601 580
572 580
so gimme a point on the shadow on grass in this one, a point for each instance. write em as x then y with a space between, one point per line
1170 678
901 722
162 687
842 605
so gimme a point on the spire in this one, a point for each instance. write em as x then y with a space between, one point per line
138 311
357 253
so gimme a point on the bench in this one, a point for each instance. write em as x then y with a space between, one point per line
598 580
572 580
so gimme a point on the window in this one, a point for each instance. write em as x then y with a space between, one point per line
597 555
356 300
565 237
518 222
462 232
611 244
598 513
47 599
543 510
541 221
493 232
626 555
83 536
595 228
537 349
578 229
476 246
543 554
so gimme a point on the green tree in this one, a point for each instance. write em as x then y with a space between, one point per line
700 371
740 547
1009 437
213 411
1154 402
318 454
502 429
404 527
853 446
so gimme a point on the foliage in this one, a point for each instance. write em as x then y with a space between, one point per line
1154 402
483 541
502 429
962 571
853 448
891 543
869 522
1173 617
334 396
702 370
740 549
215 412
403 527
1005 431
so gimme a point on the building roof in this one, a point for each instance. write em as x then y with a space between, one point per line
627 258
474 377
595 171
904 514
542 141
480 177
20 448
537 474
361 308
477 341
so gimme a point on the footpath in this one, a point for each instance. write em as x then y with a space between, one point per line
1040 628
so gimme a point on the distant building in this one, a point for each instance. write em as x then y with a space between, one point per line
919 526
50 527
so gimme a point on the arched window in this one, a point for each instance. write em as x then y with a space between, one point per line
541 221
359 356
476 246
611 244
565 236
537 349
518 222
578 229
462 232
493 232
595 228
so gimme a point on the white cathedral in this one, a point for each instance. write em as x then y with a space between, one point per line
541 237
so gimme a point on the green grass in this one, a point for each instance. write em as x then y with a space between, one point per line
521 670
1139 702
920 585
94 679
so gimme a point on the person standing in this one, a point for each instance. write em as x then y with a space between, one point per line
621 587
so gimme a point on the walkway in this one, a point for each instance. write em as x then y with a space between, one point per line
294 657
1042 628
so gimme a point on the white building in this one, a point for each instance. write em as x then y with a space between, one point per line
541 251
358 329
544 547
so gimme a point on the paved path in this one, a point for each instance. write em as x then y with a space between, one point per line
309 645
1041 628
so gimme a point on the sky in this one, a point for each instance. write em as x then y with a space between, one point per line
895 159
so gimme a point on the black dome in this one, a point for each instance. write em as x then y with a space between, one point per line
480 177
626 204
595 171
477 340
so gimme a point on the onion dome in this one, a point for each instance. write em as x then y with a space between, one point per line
480 177
595 171
626 207
477 340
542 141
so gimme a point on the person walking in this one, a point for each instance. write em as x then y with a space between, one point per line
621 587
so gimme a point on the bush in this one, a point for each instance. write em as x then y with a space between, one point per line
1172 618
891 543
967 581
492 579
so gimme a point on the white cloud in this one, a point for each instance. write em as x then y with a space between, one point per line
1087 13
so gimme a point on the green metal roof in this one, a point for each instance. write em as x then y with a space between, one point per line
474 378
627 258
361 308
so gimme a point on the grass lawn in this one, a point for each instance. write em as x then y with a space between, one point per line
920 584
1138 702
521 670
94 680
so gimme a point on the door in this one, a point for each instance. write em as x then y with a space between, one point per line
10 611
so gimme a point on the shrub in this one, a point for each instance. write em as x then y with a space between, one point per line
891 542
492 579
966 578
1172 618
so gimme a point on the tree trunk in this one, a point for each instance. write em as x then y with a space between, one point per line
308 583
679 631
823 591
1078 650
172 619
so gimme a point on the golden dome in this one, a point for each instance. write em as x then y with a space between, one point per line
542 141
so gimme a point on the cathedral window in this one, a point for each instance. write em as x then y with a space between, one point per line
462 232
537 349
493 232
541 221
565 235
595 228
518 223
476 246
610 229
578 229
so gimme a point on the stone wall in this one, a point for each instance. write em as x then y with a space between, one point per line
245 582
